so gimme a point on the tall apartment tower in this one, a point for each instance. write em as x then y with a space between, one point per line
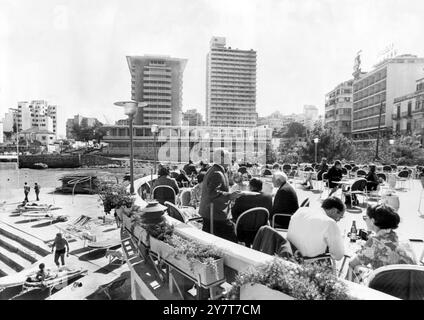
230 86
158 81
338 108
376 90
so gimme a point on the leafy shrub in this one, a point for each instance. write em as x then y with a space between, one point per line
302 282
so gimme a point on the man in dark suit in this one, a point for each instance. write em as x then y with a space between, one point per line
285 200
251 199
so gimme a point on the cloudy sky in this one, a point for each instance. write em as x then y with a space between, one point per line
72 53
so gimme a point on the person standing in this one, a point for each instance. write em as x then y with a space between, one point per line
61 245
27 188
215 193
37 190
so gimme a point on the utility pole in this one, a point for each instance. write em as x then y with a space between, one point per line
378 131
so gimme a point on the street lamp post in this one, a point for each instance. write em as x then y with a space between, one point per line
155 129
391 142
316 140
378 132
130 109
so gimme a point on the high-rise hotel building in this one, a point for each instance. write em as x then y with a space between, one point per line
158 81
377 89
230 86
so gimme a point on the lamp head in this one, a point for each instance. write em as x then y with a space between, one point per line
391 141
130 107
155 128
316 140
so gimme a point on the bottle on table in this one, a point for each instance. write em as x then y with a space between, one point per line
353 235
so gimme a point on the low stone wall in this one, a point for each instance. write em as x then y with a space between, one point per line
52 160
96 160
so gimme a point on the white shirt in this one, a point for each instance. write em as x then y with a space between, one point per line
312 231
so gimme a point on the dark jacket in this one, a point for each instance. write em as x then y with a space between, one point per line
167 181
214 190
190 168
334 174
285 200
251 200
372 181
269 241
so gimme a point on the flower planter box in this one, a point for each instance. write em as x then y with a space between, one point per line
258 291
206 273
142 235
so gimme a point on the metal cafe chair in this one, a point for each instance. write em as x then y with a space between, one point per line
403 281
248 224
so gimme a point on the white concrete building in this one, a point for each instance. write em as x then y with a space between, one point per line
37 114
390 79
230 86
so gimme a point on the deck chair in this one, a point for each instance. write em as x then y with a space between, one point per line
108 288
403 281
164 193
248 224
283 223
387 168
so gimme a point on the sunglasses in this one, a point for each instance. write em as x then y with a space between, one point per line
365 218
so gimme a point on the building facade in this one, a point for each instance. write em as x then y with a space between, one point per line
275 120
230 86
311 116
10 120
80 121
408 112
192 118
157 81
43 136
338 108
179 144
374 93
37 114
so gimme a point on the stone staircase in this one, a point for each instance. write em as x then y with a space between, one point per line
18 250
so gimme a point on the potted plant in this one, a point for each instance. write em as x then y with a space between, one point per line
201 262
280 279
114 196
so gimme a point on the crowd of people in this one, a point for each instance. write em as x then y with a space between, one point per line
225 190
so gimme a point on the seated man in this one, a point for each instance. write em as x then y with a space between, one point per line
182 179
254 198
315 232
285 200
41 274
165 179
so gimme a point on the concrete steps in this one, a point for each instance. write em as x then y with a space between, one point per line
13 260
15 247
18 250
5 270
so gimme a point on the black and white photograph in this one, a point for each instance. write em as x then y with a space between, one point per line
227 151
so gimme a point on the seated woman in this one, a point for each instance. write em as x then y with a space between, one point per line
372 179
182 179
383 248
239 184
41 274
